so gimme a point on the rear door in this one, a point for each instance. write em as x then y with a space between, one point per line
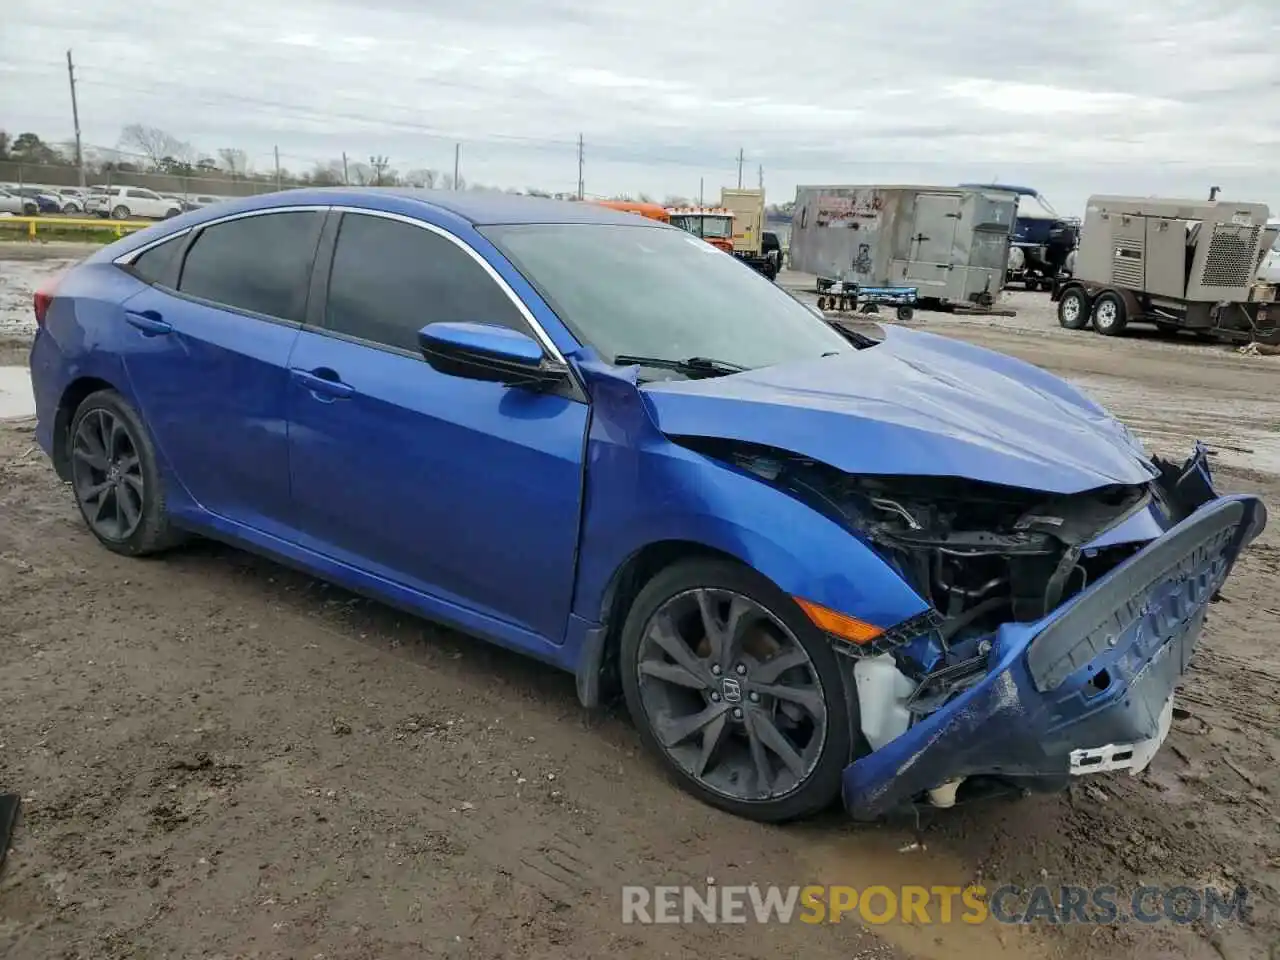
208 357
933 238
468 492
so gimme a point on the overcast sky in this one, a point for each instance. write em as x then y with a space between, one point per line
1071 97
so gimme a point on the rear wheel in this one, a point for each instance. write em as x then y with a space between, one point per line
116 478
30 210
736 691
1073 309
1110 316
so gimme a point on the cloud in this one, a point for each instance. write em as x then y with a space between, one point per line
1082 96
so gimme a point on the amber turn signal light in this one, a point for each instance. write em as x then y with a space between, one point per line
838 624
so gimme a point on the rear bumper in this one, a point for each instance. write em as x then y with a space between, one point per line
1085 689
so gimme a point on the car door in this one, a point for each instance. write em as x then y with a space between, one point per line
143 203
466 491
208 354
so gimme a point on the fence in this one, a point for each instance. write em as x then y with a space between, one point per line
64 175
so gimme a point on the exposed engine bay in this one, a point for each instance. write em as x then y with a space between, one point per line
981 555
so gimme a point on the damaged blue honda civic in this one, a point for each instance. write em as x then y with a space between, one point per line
893 569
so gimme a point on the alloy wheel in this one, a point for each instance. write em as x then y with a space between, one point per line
731 695
106 474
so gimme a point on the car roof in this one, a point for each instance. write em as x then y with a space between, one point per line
478 207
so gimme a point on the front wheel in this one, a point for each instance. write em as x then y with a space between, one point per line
30 210
1073 309
116 479
120 213
736 691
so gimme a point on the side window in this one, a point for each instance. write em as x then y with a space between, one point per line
157 264
261 264
391 279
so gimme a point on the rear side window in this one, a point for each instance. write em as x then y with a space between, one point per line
261 264
391 279
158 265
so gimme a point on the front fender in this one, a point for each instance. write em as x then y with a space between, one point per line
643 489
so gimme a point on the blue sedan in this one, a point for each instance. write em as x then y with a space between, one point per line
815 563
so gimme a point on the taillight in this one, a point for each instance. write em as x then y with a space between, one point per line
42 301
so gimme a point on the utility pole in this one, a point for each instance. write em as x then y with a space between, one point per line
75 116
740 159
277 150
761 172
345 181
700 191
580 185
457 158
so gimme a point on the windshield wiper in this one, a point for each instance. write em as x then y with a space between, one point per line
690 366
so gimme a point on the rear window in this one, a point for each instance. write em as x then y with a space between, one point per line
261 264
159 264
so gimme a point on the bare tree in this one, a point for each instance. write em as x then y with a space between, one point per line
361 174
422 177
235 160
446 182
154 144
327 174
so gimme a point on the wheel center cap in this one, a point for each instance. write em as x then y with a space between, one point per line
731 689
113 473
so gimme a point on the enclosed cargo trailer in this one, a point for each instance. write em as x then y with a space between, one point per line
949 243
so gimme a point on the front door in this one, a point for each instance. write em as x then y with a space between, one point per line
465 491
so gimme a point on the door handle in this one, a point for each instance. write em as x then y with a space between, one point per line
149 322
323 383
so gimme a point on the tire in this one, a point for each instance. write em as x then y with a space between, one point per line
776 624
68 209
171 212
905 313
30 210
123 439
120 213
1073 309
1110 316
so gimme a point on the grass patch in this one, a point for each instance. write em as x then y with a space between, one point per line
18 231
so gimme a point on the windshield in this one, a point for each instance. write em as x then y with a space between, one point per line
652 291
704 226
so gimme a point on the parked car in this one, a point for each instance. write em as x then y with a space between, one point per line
123 203
45 201
72 201
17 205
184 203
813 562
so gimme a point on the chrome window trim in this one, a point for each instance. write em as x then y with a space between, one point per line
539 333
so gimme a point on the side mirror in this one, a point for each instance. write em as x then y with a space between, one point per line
486 351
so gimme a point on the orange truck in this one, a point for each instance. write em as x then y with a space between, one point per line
712 224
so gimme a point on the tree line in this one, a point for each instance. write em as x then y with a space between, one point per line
144 149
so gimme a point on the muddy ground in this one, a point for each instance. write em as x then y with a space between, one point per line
222 757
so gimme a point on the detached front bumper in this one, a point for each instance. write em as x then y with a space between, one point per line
1086 689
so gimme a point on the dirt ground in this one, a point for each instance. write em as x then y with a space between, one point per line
220 757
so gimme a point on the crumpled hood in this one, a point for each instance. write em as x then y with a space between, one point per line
915 404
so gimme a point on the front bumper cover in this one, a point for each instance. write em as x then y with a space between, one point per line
1098 672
